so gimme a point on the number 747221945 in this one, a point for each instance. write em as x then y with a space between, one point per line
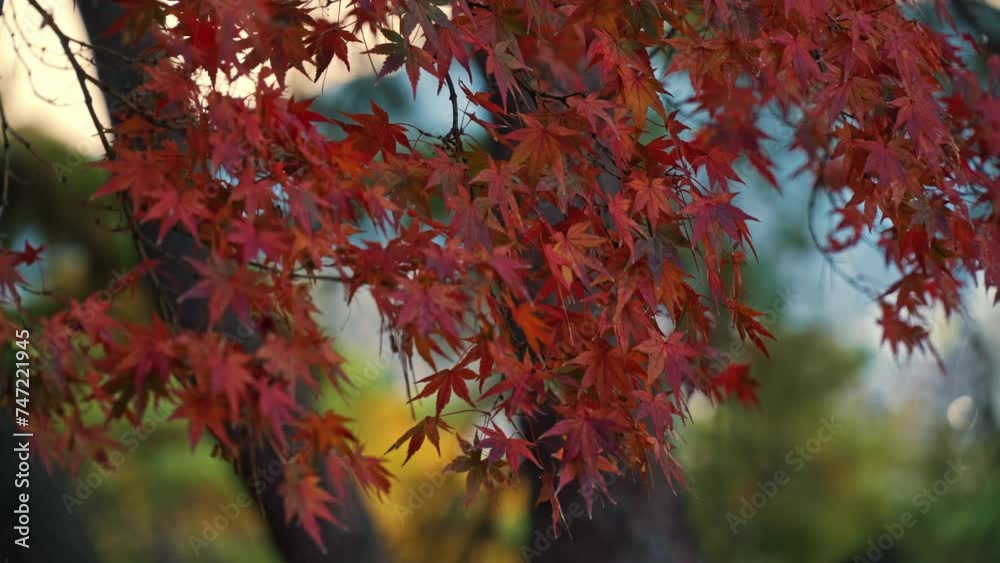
23 372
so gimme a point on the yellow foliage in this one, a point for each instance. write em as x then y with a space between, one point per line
424 518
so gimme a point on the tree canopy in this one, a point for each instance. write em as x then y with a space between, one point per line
571 243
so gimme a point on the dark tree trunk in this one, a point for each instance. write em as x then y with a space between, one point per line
358 541
647 523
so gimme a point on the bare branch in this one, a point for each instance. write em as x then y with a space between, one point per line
81 75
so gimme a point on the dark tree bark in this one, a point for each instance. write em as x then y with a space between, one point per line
358 541
647 523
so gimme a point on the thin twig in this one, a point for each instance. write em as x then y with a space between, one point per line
6 159
861 288
81 75
455 134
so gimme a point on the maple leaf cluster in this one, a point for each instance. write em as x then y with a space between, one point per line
539 288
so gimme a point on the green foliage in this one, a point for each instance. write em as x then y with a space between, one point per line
830 497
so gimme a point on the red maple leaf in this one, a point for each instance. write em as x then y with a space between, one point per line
444 383
305 499
426 428
736 380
